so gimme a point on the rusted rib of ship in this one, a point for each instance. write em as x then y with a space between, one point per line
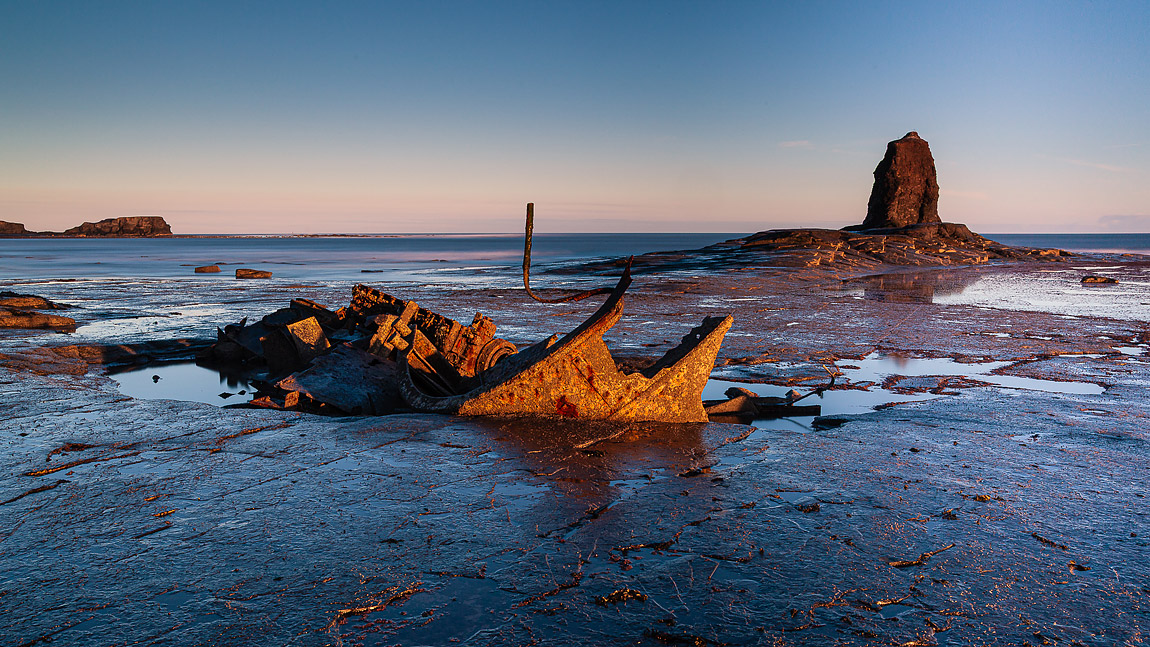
572 377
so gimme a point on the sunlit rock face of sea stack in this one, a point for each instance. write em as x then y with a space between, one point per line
905 188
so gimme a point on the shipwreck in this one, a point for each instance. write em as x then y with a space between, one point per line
382 354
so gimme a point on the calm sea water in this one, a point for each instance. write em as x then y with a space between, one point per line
407 257
1107 243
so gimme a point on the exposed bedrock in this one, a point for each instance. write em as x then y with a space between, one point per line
905 188
19 311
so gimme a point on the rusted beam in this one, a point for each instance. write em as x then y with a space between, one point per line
578 296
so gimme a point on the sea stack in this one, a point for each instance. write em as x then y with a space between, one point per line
905 189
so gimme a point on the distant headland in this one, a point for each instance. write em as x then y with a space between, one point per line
128 227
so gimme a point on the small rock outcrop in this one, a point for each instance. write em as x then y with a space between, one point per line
1095 279
20 311
246 273
12 229
133 226
28 302
905 188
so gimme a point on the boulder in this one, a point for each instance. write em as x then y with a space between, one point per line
905 188
131 227
245 273
208 269
12 229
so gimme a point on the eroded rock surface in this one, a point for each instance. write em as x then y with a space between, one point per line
906 526
924 245
20 311
126 227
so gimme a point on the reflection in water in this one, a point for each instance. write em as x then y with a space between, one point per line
588 467
187 381
913 287
878 380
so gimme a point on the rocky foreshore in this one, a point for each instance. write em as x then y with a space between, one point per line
839 250
984 515
948 506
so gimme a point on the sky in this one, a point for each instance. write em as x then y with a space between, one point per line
394 117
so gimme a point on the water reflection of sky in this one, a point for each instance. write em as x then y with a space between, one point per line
875 368
184 381
1058 292
187 381
328 258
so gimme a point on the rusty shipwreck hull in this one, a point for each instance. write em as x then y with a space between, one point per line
574 377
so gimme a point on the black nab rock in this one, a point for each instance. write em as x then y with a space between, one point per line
905 186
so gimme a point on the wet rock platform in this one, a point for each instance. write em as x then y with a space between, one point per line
989 515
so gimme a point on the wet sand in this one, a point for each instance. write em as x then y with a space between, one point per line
987 515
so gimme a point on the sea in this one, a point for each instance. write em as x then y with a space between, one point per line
408 257
465 258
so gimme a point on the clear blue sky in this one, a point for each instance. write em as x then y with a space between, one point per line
634 116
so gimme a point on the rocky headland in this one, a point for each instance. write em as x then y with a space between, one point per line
127 227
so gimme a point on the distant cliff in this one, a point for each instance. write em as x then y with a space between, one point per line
12 229
135 227
129 227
